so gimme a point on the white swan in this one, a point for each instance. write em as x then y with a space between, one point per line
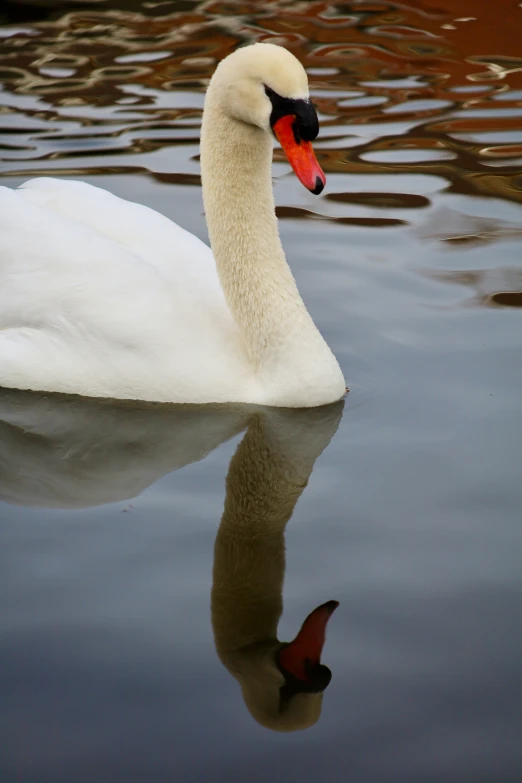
105 298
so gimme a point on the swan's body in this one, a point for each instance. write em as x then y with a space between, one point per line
105 298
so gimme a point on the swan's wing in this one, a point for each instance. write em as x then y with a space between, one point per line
71 238
94 286
143 231
62 277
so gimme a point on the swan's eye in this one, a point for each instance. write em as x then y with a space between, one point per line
305 125
294 124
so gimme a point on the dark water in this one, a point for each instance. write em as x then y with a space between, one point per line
411 265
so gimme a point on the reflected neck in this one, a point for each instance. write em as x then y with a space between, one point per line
266 478
262 488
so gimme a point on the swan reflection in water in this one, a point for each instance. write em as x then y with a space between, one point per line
73 453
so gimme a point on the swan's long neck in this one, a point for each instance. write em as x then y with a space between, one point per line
262 489
266 478
260 290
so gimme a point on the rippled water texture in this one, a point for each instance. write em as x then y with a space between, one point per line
128 622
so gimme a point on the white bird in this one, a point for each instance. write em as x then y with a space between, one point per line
105 298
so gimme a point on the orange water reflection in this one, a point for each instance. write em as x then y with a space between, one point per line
424 88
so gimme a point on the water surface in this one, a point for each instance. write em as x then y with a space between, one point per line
410 263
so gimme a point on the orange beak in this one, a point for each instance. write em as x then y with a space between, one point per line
304 653
300 154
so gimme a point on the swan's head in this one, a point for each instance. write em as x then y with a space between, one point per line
283 683
266 86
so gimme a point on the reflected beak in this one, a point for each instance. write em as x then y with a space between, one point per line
300 154
303 655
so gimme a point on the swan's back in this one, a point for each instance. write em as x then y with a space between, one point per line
92 283
142 230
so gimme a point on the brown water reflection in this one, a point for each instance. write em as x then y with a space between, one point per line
501 287
431 89
433 71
